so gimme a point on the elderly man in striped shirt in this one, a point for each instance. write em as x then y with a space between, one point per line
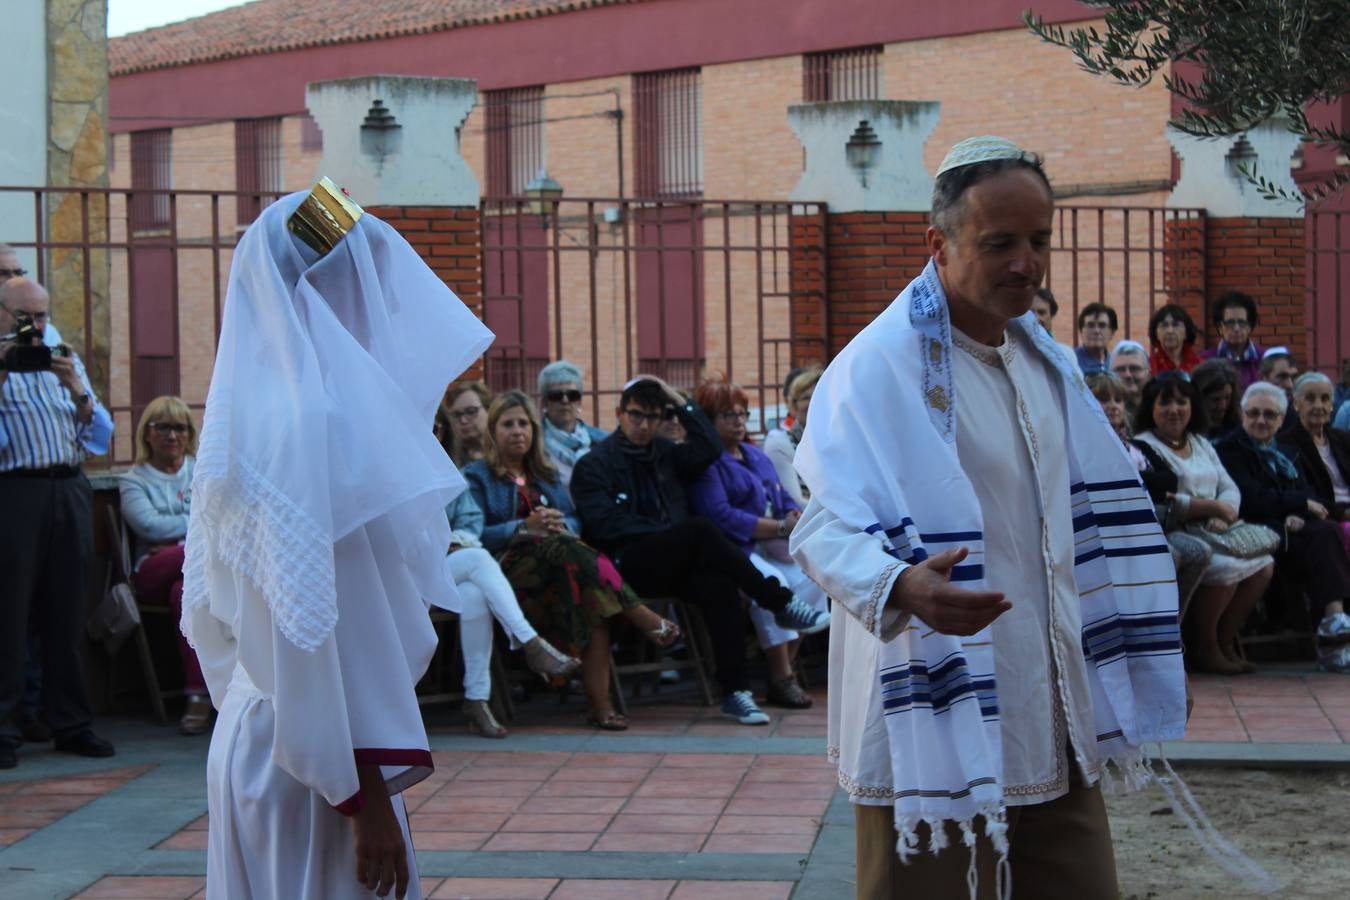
49 421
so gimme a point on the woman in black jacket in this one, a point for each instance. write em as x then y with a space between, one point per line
1275 494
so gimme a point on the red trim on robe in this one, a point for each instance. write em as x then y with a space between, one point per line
383 756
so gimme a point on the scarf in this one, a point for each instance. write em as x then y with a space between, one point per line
1276 461
567 447
880 454
651 502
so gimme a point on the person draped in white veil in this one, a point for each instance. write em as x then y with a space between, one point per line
316 544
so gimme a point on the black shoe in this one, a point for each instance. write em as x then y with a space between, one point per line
8 757
35 731
85 743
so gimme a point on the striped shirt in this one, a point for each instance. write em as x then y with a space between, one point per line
38 428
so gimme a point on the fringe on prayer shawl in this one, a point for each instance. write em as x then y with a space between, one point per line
1137 771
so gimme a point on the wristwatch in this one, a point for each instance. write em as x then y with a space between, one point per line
82 399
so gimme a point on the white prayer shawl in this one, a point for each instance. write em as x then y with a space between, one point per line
879 453
318 533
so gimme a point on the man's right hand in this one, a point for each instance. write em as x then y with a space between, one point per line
926 591
381 854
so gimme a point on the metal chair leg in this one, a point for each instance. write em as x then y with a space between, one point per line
151 679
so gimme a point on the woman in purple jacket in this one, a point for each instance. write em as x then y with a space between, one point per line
742 495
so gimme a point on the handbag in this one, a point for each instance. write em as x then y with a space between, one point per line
1244 540
115 617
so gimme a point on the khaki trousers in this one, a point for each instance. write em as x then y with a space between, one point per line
1061 849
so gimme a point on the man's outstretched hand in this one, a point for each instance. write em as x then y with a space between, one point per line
926 591
381 854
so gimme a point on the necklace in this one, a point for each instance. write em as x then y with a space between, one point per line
1175 445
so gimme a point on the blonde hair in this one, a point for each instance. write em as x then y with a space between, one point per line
803 383
166 408
537 464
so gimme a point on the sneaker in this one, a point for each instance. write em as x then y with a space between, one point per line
1334 629
1334 659
801 617
739 705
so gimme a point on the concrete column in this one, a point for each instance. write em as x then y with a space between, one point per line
877 197
76 143
1253 243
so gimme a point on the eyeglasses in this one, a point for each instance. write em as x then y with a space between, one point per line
1265 415
734 415
1236 323
563 396
21 313
467 413
1095 326
13 273
1133 369
638 417
167 427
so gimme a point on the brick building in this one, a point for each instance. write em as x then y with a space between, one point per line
680 101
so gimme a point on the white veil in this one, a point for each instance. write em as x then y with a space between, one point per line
318 421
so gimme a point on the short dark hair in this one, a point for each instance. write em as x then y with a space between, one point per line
950 187
1209 377
1270 359
1093 309
1165 386
1172 311
1234 299
1044 294
645 393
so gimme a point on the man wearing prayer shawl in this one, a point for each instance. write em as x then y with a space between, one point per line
1012 607
317 541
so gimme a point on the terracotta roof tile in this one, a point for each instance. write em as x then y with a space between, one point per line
266 26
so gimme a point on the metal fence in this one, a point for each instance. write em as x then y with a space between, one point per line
1327 237
1133 258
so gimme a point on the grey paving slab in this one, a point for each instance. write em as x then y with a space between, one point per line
829 872
1266 755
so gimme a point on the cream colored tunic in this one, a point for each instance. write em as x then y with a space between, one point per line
1012 445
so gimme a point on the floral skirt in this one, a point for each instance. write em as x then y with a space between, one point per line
565 587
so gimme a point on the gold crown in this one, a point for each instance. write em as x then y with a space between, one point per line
324 217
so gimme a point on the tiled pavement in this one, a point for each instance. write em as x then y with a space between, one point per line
684 805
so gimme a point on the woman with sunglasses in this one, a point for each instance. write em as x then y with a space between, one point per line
1171 420
155 496
566 437
1276 494
568 590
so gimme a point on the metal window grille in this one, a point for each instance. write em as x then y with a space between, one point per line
853 74
514 139
668 107
311 136
151 179
257 165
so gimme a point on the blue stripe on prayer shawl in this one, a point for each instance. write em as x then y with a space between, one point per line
970 572
938 688
1090 554
1108 485
951 537
1138 551
1135 635
1125 517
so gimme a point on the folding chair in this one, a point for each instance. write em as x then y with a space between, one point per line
450 659
652 659
119 561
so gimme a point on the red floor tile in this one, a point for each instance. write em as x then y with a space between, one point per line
733 890
792 807
572 805
704 760
547 822
689 788
586 789
489 789
628 823
13 835
494 889
143 887
759 843
618 889
198 824
542 841
767 825
457 821
650 843
689 806
442 803
184 840
505 773
607 760
449 840
614 773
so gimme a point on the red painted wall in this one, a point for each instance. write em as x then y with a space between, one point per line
662 34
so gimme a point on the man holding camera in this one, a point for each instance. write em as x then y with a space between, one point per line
49 420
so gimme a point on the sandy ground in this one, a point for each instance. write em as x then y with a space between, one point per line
1296 823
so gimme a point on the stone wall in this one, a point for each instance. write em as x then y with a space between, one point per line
77 156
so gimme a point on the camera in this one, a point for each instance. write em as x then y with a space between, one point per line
26 356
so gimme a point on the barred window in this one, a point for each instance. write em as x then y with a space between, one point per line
257 165
151 177
514 138
853 74
668 136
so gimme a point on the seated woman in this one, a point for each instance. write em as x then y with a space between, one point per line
1323 451
485 594
1275 494
155 495
780 444
461 422
1216 380
1190 555
568 589
740 493
566 437
1171 421
1172 332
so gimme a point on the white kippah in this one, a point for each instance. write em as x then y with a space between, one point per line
1129 346
981 149
1276 351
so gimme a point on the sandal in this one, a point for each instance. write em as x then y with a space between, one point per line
481 721
197 717
665 635
609 722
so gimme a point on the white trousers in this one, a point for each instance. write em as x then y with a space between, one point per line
795 580
270 836
484 594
